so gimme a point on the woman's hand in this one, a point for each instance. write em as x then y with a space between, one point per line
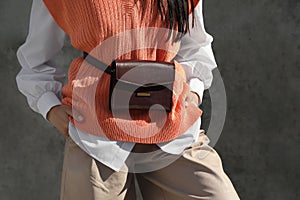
193 98
59 117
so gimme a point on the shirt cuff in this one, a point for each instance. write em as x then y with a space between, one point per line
46 102
197 86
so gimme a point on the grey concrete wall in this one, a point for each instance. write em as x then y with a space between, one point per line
257 47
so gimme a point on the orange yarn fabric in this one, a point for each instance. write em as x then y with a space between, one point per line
91 25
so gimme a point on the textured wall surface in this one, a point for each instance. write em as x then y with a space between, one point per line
257 47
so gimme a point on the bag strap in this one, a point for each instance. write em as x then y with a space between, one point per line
97 63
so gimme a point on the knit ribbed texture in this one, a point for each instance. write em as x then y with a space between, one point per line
91 23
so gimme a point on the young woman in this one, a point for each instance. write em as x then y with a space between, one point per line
167 151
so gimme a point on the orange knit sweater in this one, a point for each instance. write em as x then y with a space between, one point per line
99 28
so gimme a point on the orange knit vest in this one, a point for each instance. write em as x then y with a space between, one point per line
100 28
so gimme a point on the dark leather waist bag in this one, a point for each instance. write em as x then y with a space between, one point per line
138 84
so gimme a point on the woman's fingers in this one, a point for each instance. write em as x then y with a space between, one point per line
59 117
74 113
192 98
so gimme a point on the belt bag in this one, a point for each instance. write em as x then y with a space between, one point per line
138 84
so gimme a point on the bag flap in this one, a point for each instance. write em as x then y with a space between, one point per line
145 73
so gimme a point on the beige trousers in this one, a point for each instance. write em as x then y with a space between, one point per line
197 174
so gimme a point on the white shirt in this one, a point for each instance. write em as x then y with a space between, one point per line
41 81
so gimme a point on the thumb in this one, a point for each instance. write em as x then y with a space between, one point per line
187 101
192 98
74 113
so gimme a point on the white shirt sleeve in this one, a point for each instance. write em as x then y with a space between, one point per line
39 79
196 55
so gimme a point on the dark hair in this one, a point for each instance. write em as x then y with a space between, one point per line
176 15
